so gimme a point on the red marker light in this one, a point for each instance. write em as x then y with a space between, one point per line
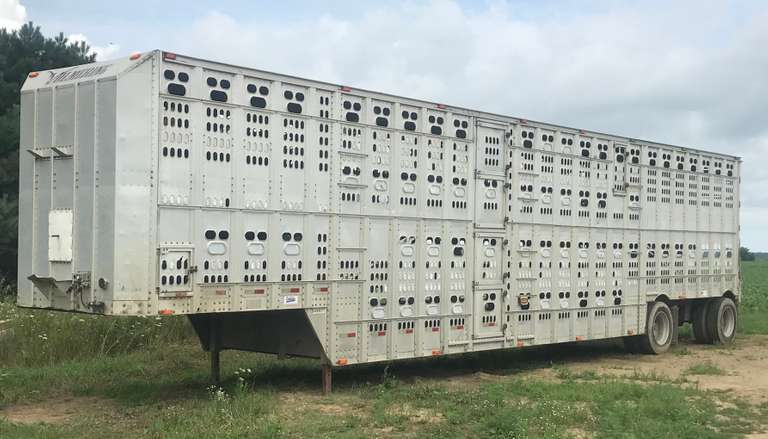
169 56
345 88
34 74
134 56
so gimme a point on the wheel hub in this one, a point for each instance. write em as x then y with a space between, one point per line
728 322
661 329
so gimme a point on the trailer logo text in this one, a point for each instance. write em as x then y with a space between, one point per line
70 75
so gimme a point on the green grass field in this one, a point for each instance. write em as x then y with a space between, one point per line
149 378
754 290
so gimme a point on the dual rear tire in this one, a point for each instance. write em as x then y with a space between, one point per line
714 322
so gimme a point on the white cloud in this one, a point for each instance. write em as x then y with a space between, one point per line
102 52
12 14
687 73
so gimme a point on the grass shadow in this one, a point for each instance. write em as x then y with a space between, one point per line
303 374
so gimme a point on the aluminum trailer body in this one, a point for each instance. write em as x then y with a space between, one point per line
298 217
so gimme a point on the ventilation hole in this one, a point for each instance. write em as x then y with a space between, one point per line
293 107
218 95
177 89
258 102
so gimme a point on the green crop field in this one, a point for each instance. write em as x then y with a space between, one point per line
66 375
754 306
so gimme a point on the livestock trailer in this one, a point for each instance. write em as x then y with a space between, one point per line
297 217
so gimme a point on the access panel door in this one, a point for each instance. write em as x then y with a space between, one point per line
491 140
487 313
487 298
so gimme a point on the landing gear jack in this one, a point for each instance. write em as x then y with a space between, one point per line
327 378
215 350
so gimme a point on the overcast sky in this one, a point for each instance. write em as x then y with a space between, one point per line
693 73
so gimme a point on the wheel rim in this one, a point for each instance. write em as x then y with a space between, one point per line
661 329
728 322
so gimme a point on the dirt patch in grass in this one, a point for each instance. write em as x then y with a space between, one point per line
56 411
416 415
743 365
301 402
740 368
472 380
577 433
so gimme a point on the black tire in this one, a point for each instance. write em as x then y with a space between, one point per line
700 321
659 330
722 316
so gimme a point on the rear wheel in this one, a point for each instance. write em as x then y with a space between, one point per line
658 330
721 320
701 322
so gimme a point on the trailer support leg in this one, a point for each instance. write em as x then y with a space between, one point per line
327 379
215 349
